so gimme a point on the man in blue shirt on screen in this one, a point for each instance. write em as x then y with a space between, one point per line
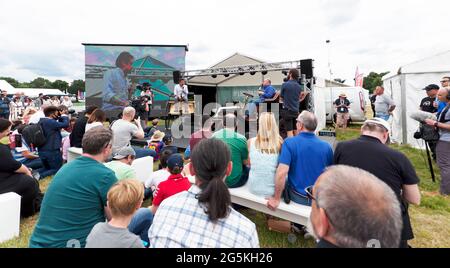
116 88
302 160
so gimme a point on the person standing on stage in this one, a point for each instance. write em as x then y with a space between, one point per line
181 96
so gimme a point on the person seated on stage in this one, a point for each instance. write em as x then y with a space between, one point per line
149 131
168 140
158 176
181 97
175 183
156 144
267 92
239 152
125 129
121 163
124 200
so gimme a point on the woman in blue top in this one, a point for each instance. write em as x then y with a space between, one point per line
263 156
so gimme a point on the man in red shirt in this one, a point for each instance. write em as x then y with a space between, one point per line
176 183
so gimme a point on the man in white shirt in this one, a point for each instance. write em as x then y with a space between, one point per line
181 96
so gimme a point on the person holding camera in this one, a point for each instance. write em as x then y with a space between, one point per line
143 109
443 145
430 105
50 153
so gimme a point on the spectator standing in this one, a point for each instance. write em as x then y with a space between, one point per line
370 153
67 102
4 105
384 105
342 106
290 94
443 145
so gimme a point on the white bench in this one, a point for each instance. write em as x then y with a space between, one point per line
292 212
73 153
9 216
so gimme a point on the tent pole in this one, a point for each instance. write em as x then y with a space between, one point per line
404 117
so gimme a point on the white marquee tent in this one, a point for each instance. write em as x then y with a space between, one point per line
406 85
30 92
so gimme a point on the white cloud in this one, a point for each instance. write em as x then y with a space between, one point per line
43 38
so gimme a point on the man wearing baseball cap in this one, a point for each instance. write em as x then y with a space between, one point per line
429 104
121 164
370 153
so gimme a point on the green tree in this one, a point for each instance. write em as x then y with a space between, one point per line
75 86
373 80
61 85
40 83
13 82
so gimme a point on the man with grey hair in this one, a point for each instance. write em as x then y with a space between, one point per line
370 153
267 91
125 129
303 158
353 209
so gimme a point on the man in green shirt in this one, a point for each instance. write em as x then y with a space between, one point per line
239 152
121 164
76 199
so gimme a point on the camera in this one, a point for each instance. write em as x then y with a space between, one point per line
427 133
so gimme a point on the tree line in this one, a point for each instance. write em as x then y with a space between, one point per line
72 88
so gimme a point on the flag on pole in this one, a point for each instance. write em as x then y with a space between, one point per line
359 78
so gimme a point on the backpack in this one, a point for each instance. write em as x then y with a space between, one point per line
34 135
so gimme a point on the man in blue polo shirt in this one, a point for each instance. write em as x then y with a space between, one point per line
303 159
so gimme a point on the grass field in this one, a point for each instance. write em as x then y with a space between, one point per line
430 220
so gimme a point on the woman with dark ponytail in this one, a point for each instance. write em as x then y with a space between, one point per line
203 217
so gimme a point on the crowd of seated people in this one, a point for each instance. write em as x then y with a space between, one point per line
96 201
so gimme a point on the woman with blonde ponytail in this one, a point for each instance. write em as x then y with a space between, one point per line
203 217
263 156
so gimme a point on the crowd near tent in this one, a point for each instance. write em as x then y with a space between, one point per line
405 86
229 89
30 92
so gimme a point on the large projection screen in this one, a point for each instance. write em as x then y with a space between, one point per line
114 73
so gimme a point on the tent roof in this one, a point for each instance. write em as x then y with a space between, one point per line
4 85
233 60
439 63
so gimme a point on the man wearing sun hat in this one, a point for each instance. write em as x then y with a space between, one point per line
342 105
370 153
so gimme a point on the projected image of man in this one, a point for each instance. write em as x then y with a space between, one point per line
116 89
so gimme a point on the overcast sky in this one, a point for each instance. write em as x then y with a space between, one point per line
43 38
